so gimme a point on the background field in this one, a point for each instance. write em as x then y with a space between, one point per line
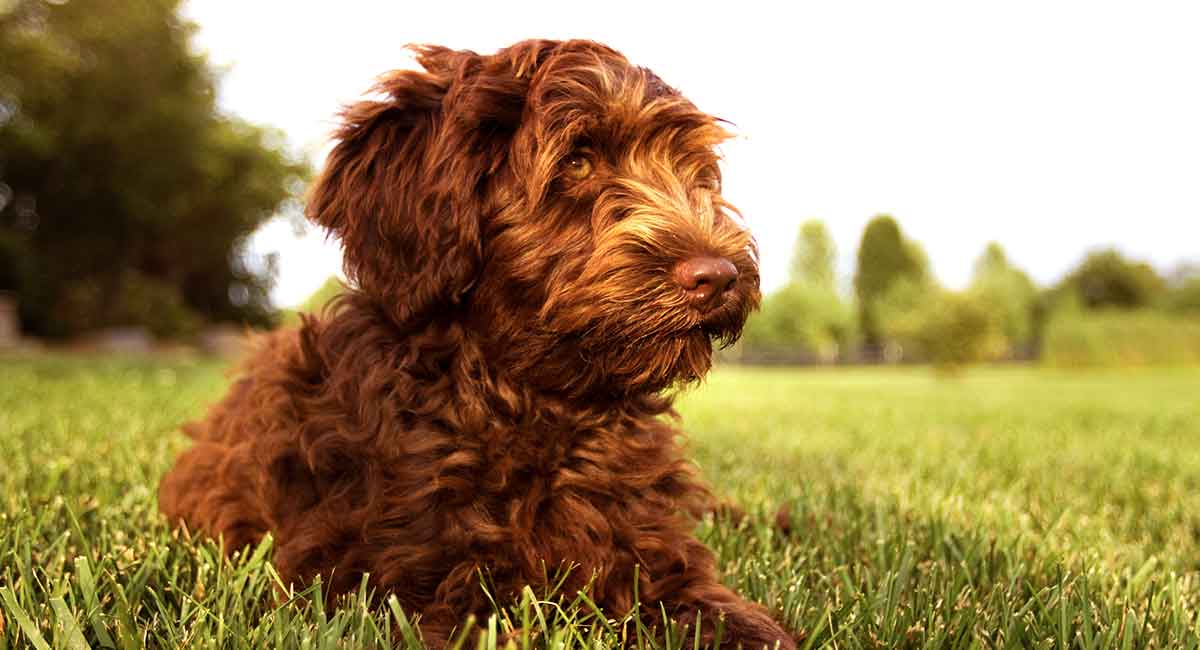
1012 507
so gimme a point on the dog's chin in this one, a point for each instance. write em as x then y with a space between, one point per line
723 325
694 357
685 357
647 351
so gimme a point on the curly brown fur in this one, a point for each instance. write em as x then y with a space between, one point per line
490 395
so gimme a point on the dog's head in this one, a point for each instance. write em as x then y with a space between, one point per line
555 198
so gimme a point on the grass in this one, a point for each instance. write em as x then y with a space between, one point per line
1013 508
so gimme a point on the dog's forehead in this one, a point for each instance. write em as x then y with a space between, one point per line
596 77
598 92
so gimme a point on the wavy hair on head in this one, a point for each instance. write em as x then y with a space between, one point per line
402 188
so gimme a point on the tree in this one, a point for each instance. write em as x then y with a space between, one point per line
129 194
885 258
814 257
1106 279
806 319
1008 296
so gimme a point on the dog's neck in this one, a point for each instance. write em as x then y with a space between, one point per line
524 385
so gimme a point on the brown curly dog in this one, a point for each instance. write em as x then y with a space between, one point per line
539 250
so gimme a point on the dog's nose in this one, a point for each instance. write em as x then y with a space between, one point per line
706 278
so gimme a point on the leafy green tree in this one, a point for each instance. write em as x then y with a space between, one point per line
885 258
1009 297
814 256
127 194
1107 279
806 319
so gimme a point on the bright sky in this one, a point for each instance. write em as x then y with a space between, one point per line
1051 127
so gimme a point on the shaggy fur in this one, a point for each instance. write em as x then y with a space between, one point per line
489 396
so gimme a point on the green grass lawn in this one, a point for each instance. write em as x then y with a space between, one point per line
1013 507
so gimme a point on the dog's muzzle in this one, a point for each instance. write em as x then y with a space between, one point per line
706 280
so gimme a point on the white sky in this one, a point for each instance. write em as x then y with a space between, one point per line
1051 127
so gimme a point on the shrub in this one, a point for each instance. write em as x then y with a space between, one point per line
134 300
1185 298
945 328
1077 338
799 322
957 330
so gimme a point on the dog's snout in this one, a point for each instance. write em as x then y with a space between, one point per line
706 278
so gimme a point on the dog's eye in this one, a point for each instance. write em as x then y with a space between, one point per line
577 166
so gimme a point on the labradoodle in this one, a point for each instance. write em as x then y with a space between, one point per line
539 251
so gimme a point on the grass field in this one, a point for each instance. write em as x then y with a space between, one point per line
1014 507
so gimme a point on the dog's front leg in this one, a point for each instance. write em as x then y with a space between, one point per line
741 623
683 579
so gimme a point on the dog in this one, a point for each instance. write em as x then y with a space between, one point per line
538 252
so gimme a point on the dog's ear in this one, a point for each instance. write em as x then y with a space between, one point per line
403 186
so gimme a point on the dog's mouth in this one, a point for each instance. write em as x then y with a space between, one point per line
720 322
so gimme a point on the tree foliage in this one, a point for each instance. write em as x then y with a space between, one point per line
1009 298
806 319
814 257
124 193
885 258
1107 279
